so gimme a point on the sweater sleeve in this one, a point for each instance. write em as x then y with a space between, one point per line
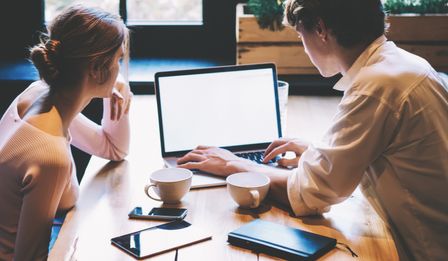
328 172
42 188
110 140
70 194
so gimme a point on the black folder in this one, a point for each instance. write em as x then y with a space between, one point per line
280 241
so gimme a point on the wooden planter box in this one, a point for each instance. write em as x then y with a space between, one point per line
423 35
284 48
426 36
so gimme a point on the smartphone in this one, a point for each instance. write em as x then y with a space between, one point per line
158 213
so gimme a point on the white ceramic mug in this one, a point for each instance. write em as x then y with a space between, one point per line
170 184
248 189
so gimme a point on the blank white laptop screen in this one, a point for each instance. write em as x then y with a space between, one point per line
218 108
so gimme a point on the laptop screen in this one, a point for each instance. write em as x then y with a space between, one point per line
230 106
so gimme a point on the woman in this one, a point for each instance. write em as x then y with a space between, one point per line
79 60
389 133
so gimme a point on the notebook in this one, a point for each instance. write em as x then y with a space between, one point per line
281 241
233 107
160 239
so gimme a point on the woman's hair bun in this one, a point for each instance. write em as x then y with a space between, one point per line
53 47
45 56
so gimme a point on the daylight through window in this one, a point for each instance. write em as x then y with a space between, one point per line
158 12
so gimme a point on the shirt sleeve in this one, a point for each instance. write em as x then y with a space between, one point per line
329 171
70 194
110 140
42 188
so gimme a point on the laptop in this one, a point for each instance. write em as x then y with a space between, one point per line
234 107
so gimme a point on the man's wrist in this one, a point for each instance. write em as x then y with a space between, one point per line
241 165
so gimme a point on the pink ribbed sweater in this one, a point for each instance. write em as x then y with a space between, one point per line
37 175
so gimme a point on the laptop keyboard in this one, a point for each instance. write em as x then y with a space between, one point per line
256 156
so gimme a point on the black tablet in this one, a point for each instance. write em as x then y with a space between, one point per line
160 239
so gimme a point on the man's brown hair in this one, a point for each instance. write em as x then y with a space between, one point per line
352 22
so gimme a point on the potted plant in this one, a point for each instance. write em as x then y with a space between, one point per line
419 26
262 38
416 6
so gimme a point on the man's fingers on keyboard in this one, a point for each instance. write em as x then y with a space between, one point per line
190 165
268 157
274 144
271 146
276 151
191 157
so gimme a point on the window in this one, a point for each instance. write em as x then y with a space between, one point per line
170 28
53 7
164 12
155 12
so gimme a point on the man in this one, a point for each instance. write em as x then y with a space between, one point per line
390 132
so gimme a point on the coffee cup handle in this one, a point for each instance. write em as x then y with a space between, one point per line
147 187
255 198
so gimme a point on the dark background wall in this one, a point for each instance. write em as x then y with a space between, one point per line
22 19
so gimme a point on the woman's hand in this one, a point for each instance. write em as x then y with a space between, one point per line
120 100
283 145
214 160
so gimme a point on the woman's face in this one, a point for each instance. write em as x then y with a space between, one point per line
317 50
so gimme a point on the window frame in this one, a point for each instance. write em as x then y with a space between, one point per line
123 11
214 39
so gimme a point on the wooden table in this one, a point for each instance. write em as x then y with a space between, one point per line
110 190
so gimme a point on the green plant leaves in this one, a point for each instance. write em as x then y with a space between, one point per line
269 13
416 6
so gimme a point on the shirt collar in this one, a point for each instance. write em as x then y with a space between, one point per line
346 81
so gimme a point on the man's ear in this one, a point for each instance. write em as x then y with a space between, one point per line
321 30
